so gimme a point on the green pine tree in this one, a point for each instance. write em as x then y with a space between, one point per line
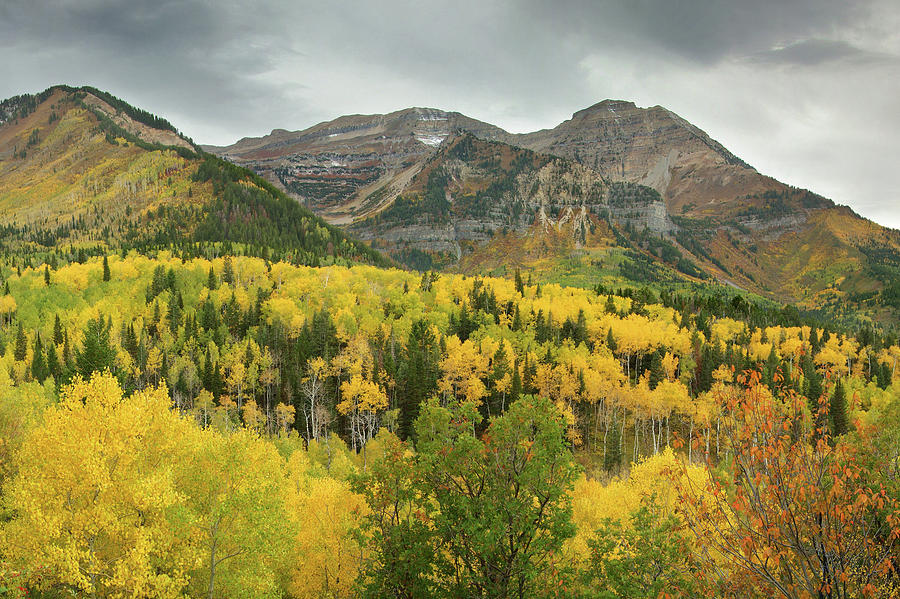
838 410
57 330
657 374
96 352
106 273
54 368
228 271
38 364
21 344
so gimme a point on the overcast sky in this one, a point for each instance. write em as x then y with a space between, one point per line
806 91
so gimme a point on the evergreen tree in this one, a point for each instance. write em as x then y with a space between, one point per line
610 307
611 341
520 285
209 319
771 367
57 331
419 375
211 280
53 365
96 352
38 364
883 374
106 273
129 340
496 403
175 312
517 319
21 344
838 410
228 271
47 276
813 390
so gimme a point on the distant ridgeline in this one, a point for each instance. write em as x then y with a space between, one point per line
83 173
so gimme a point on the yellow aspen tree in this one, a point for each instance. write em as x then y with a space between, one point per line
204 405
324 512
284 417
362 401
95 500
254 419
233 487
312 387
463 367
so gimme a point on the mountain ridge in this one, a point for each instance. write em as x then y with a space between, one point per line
745 227
437 189
81 167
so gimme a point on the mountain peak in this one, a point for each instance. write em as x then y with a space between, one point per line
607 105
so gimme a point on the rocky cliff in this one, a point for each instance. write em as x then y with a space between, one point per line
738 225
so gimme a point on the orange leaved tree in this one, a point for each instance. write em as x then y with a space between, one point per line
789 512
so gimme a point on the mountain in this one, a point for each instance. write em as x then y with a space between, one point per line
333 165
82 169
710 211
472 191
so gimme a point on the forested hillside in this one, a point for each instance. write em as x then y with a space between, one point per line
268 429
436 189
206 391
83 173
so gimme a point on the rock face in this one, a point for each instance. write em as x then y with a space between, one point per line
403 182
652 146
353 169
333 166
471 189
336 167
694 173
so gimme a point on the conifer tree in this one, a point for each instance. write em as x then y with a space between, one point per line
771 367
656 370
610 307
175 312
38 364
47 276
838 410
883 374
54 368
57 331
96 353
211 280
611 341
228 271
21 344
106 273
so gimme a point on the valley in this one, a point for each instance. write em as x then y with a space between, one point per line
414 355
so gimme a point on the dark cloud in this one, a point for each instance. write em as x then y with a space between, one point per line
815 52
224 69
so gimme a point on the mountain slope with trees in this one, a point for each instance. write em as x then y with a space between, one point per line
739 226
84 173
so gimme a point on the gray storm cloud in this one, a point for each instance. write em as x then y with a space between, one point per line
803 90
